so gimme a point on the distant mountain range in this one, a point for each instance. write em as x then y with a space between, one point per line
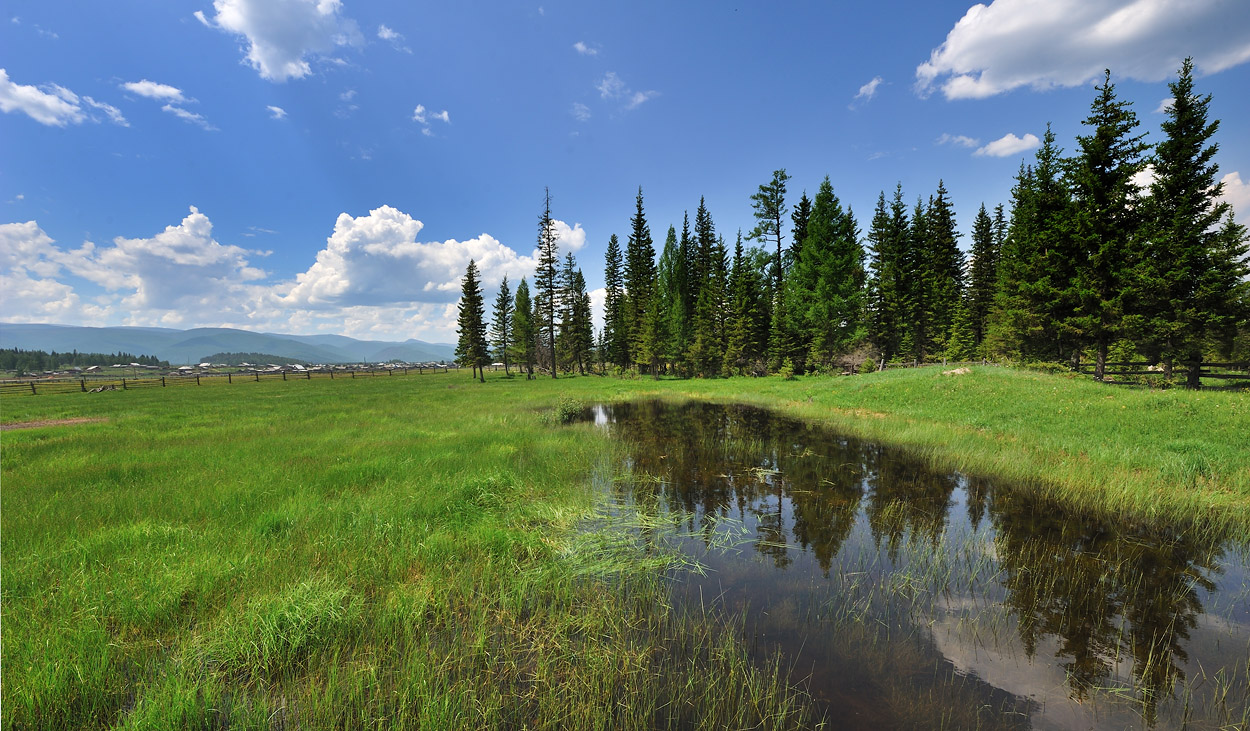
189 346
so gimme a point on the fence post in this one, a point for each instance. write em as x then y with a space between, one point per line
257 374
331 375
229 379
284 375
307 375
162 382
197 379
353 372
124 383
83 382
33 392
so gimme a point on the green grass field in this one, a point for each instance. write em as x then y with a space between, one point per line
405 551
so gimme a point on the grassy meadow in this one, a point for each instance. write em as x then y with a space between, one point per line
406 552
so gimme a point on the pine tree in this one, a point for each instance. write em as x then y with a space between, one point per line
615 333
769 206
1189 267
523 329
471 347
501 329
1108 220
546 279
888 295
639 285
962 342
706 343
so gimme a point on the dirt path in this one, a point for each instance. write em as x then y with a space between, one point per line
48 422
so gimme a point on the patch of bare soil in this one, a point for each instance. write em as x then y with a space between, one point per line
48 422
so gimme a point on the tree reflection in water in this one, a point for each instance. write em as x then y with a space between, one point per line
1103 593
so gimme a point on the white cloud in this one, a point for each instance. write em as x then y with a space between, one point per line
422 116
55 107
283 34
869 90
611 87
1008 145
276 112
348 95
1164 105
188 116
1237 193
958 140
1144 178
1043 44
373 278
580 112
113 113
394 38
157 91
585 50
199 15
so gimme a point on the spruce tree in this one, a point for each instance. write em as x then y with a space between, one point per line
982 276
546 279
1108 220
1188 267
501 328
615 333
945 264
639 284
706 345
670 276
523 329
471 347
798 226
888 294
826 285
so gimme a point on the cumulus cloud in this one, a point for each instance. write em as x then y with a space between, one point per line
282 35
373 278
958 140
585 50
276 112
1237 193
52 105
422 116
1026 43
376 260
1164 105
1008 145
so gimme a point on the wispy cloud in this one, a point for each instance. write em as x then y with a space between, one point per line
612 87
580 112
394 38
958 140
52 104
423 116
190 117
276 112
585 50
869 90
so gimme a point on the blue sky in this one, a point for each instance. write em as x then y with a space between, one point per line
311 166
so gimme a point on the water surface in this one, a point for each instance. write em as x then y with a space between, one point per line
900 596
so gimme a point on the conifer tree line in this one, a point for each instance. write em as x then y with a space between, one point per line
1084 264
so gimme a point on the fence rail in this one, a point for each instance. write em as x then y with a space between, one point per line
98 383
1235 371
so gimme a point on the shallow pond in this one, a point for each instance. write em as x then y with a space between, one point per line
899 596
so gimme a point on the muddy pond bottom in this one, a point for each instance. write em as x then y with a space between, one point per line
902 597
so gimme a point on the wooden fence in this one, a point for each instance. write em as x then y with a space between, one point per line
96 384
1231 371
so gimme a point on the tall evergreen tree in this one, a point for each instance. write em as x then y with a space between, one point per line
888 237
639 285
826 285
615 332
670 278
501 328
1108 220
546 279
706 345
471 346
523 329
576 328
798 226
945 264
1189 267
769 206
982 277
